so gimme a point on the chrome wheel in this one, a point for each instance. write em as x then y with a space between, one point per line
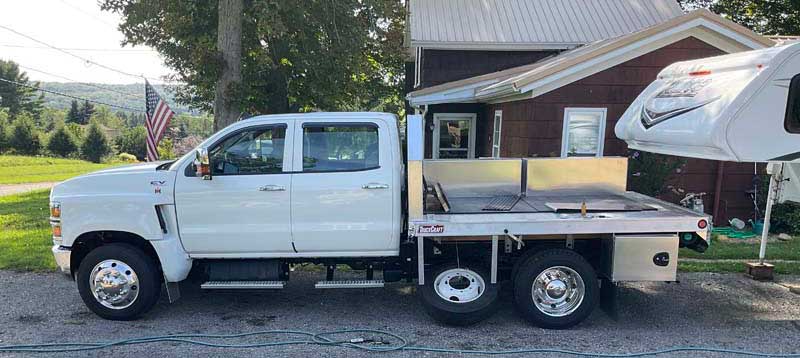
459 285
114 284
558 291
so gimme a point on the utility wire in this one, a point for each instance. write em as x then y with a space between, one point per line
70 96
74 55
82 83
82 11
122 50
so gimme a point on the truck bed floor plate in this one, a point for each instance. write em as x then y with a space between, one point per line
243 285
350 284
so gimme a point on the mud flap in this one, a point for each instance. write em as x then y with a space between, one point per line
173 290
608 298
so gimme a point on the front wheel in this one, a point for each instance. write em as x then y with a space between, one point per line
118 282
556 289
459 296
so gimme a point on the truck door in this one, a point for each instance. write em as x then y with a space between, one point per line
342 196
243 210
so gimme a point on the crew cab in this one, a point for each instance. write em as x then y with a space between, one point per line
335 189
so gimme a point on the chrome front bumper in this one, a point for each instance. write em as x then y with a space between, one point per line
62 255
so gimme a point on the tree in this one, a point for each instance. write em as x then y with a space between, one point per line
95 145
24 137
296 55
86 111
133 141
74 114
3 127
768 17
62 142
18 98
229 46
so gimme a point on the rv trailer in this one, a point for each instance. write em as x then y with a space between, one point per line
743 107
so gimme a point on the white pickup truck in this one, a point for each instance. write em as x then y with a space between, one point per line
335 189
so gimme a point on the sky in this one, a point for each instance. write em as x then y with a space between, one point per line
79 27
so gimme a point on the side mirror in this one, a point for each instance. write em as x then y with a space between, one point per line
202 164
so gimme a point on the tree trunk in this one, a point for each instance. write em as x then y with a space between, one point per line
229 45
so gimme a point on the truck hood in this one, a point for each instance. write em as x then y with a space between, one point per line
128 180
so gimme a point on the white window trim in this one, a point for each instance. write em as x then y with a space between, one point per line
418 67
496 138
438 117
565 129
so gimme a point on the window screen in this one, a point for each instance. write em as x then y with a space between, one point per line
336 147
256 151
793 106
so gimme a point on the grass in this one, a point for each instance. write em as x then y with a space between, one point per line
786 268
719 250
25 232
21 169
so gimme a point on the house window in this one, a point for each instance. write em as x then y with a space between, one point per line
584 132
792 123
453 135
496 132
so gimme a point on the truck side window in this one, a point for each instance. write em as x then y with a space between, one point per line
339 147
792 123
254 151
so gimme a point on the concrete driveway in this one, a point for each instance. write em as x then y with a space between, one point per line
9 189
723 311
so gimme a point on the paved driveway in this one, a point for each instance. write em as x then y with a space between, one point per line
727 311
8 189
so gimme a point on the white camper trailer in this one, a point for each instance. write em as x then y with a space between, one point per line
743 107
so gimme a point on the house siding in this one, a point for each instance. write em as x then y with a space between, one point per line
441 66
533 127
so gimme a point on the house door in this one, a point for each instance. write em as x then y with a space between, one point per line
454 136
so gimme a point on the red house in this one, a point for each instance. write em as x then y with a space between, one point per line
539 78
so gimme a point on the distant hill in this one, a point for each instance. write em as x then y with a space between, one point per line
133 96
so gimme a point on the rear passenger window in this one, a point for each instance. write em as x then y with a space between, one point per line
793 106
339 147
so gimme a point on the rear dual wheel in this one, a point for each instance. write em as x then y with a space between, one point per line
556 289
457 295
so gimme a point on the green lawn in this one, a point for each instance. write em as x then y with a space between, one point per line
25 232
789 250
20 169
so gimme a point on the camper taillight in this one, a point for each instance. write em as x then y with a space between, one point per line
700 73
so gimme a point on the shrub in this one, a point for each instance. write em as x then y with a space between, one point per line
166 149
650 172
127 157
3 135
786 218
62 143
24 137
95 145
133 141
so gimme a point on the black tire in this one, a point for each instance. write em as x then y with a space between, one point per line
535 265
458 314
146 269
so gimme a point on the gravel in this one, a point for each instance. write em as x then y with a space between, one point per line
717 310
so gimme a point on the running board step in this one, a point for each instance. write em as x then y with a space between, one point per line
350 284
243 285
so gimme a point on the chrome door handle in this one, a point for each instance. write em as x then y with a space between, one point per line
272 188
375 186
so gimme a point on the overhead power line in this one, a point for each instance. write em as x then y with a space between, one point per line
82 11
121 50
82 83
70 96
76 56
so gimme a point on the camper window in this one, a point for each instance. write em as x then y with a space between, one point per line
793 106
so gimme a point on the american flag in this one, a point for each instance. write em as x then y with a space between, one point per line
158 117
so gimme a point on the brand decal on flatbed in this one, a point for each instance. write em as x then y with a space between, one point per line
431 229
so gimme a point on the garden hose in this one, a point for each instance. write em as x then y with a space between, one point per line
377 344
